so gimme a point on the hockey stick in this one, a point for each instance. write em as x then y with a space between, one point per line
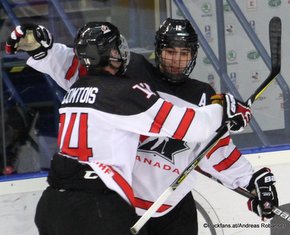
284 215
275 48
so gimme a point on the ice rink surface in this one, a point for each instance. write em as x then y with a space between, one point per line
221 211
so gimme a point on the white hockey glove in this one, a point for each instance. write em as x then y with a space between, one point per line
236 114
32 38
262 185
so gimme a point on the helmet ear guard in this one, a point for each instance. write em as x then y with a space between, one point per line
88 55
176 33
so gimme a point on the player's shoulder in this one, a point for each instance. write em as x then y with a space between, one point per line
195 84
139 63
136 57
193 81
106 83
140 69
115 94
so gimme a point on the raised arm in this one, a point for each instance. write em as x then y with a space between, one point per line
55 59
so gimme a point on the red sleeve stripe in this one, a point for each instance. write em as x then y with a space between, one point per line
145 205
73 68
127 189
161 117
221 143
184 124
229 161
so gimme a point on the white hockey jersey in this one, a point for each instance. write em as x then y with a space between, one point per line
159 160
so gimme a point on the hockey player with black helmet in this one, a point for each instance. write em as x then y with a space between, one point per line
176 38
179 87
101 118
95 55
176 48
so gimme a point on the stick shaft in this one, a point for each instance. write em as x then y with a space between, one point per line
275 27
148 214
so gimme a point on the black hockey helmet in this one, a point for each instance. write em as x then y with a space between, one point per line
94 42
176 33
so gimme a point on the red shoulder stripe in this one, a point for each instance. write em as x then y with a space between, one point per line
184 124
161 117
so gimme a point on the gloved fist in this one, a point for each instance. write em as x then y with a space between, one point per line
32 38
262 185
13 40
236 113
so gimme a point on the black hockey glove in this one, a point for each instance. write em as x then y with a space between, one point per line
32 38
236 113
262 185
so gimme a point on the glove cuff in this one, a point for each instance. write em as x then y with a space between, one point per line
220 99
40 52
255 176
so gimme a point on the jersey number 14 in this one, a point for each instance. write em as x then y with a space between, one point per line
82 151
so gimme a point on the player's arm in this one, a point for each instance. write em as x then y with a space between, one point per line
157 117
54 59
60 64
226 163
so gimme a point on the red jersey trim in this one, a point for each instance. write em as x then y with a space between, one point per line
221 143
161 117
61 125
82 71
230 160
145 205
73 68
184 124
142 138
127 189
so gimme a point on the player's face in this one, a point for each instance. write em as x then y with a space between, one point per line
115 54
175 59
115 65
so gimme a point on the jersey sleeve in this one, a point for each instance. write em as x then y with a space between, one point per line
165 119
60 64
227 164
149 114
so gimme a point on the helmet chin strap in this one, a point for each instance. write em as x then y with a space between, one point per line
115 59
115 68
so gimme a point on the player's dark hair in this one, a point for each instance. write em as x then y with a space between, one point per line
94 42
176 33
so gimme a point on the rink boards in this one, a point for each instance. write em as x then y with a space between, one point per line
221 211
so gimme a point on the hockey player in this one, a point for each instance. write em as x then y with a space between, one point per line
176 48
173 88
